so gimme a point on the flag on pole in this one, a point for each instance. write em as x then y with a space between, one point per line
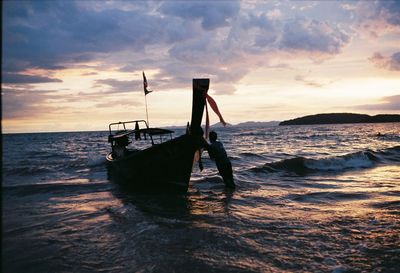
210 101
214 106
145 85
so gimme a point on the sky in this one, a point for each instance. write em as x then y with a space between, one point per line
77 65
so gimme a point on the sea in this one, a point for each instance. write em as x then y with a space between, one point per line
317 198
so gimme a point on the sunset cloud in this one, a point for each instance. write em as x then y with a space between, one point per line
26 103
15 78
309 82
389 10
118 86
390 63
313 36
377 18
391 103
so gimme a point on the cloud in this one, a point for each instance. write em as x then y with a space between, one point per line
305 79
57 34
378 18
391 103
228 57
267 33
348 6
390 11
212 14
117 86
257 30
390 63
89 74
309 82
26 103
14 78
118 103
313 36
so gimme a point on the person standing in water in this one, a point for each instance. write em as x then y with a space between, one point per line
217 153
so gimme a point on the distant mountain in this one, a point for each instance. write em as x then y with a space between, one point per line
219 125
247 124
340 118
258 123
174 127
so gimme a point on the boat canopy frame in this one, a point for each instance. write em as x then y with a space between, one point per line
147 131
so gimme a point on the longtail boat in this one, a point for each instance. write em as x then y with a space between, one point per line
162 166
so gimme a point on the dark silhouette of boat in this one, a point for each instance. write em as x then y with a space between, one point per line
165 166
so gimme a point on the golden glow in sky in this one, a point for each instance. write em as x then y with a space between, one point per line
77 65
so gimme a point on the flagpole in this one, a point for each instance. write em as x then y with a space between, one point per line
147 114
145 95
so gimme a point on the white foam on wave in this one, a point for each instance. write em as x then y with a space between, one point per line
96 160
356 160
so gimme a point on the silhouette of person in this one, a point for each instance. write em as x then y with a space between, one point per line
217 153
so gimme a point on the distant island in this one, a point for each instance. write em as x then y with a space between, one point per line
340 118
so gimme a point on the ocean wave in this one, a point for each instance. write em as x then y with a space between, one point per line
65 188
248 154
393 204
356 160
27 170
96 160
327 197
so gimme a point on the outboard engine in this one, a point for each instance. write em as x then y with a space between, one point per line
118 144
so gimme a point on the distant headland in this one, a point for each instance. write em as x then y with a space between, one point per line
340 118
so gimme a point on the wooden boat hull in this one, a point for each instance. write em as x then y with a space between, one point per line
166 166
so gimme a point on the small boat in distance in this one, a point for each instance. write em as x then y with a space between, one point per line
165 166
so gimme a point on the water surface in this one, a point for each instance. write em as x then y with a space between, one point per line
321 198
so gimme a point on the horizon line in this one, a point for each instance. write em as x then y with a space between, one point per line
106 130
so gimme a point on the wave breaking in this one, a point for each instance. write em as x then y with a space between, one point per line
356 160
